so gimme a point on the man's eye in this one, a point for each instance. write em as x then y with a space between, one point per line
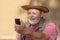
31 13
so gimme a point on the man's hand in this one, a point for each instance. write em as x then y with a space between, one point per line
20 28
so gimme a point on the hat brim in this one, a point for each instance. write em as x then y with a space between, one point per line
42 8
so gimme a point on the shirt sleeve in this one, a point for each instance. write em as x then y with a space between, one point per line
17 36
50 30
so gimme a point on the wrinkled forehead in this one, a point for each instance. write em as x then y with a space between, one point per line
34 10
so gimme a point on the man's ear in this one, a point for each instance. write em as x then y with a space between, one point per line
42 14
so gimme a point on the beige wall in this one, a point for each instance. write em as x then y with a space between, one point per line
9 10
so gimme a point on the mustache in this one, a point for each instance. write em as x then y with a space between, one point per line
31 18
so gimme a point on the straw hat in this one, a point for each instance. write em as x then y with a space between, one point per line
34 4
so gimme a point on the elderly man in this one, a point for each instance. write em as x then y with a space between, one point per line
36 28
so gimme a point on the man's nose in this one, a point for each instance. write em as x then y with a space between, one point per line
31 15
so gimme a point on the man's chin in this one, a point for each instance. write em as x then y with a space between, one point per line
33 22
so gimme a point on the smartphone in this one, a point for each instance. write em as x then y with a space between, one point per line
17 21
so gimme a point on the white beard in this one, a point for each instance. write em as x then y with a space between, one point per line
33 22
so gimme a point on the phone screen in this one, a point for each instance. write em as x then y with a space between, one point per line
17 21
